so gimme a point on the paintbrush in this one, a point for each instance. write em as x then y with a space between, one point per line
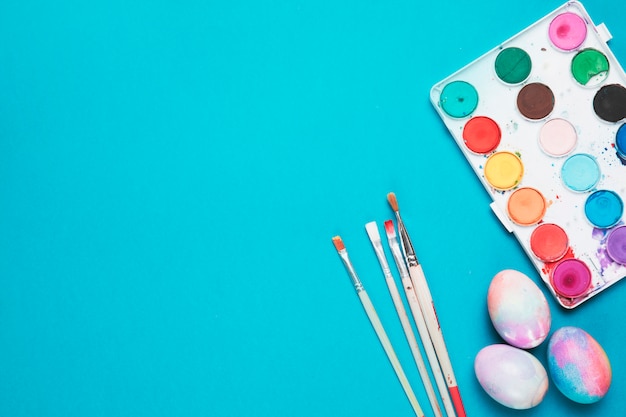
428 308
418 317
378 326
374 235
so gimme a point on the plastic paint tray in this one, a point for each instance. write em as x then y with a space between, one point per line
538 118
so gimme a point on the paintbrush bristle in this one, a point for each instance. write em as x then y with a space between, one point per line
372 231
391 231
338 243
393 201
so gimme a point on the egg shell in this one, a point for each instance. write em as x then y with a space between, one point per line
511 376
578 365
518 309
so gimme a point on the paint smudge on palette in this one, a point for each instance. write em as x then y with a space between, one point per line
554 93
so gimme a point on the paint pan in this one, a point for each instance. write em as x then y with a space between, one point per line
541 120
549 242
616 245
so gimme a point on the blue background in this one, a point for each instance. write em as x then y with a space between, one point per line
171 175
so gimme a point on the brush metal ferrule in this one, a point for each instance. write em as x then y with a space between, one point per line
380 254
398 257
407 246
358 286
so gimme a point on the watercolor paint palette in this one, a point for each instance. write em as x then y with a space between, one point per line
540 118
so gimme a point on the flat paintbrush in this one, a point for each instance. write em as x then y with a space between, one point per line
378 326
374 235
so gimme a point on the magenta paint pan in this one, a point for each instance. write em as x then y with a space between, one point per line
551 99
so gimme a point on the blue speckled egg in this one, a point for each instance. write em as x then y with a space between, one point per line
578 365
511 376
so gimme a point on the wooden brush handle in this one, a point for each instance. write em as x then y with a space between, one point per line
391 354
422 329
434 329
415 349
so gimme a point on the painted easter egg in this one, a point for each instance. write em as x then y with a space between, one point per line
578 365
511 376
518 309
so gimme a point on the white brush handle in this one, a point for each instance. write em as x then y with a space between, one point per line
391 354
415 349
434 329
422 329
372 232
